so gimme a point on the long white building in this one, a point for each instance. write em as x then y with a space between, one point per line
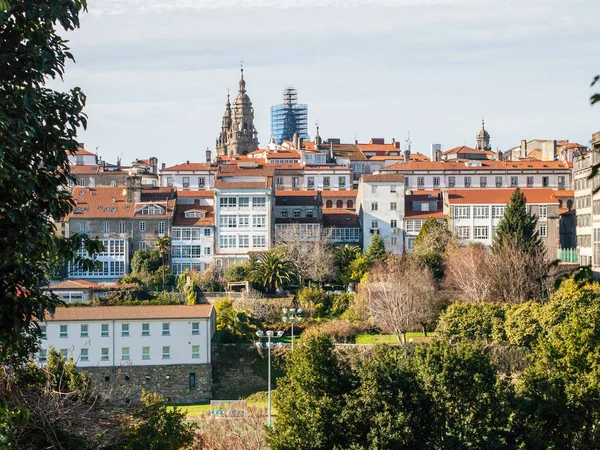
164 349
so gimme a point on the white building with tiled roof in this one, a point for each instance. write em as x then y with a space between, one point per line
124 349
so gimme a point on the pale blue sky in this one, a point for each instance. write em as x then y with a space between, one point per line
156 72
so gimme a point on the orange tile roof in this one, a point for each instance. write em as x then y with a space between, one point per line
262 170
89 313
87 169
464 149
486 165
418 195
379 147
83 151
111 202
564 193
500 196
340 218
288 166
190 166
295 193
413 157
383 178
348 193
179 220
311 167
73 284
200 193
290 154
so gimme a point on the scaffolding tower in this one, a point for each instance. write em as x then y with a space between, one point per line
289 118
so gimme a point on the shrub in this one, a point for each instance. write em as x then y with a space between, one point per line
473 322
522 324
311 299
338 330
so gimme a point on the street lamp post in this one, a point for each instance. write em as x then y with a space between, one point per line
293 316
268 345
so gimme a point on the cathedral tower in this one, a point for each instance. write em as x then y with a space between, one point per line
483 138
238 134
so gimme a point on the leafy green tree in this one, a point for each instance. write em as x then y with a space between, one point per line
271 270
523 324
517 226
357 269
310 399
38 130
163 245
344 257
145 261
234 324
434 237
155 426
238 272
473 322
376 253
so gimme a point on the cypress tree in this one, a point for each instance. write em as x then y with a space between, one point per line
517 226
376 252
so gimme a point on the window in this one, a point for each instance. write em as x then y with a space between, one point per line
195 351
228 221
481 233
259 241
394 240
227 202
543 232
393 206
195 328
561 181
64 352
84 355
82 228
295 182
374 206
481 212
84 331
244 202
106 227
393 223
228 241
374 224
436 181
207 250
462 232
43 355
63 331
329 204
243 222
82 182
279 181
349 204
451 182
467 182
104 330
43 331
374 187
483 181
498 181
462 212
125 330
342 181
339 204
143 227
145 329
393 188
543 212
166 352
529 181
310 182
514 181
309 212
207 232
192 381
411 243
420 182
326 182
186 182
122 227
296 214
145 353
161 228
170 181
259 221
166 329
244 241
545 181
498 212
124 353
104 354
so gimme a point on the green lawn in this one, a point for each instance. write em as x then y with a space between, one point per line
195 411
367 338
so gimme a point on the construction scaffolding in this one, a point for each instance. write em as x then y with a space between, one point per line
289 118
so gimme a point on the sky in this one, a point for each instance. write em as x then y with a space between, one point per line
156 72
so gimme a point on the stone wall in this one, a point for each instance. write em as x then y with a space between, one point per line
124 384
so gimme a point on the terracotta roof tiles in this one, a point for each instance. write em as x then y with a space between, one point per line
500 196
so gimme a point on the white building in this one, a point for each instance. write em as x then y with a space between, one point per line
192 238
244 211
189 176
164 349
380 202
418 207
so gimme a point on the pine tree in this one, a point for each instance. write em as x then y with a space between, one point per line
517 226
376 252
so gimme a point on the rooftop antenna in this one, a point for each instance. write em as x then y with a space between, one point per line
408 141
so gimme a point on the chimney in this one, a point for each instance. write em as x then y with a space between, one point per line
188 162
407 156
134 189
331 150
208 157
300 143
500 155
164 165
523 152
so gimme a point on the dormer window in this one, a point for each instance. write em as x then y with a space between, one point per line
151 210
195 214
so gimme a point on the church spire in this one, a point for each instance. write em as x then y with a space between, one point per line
242 82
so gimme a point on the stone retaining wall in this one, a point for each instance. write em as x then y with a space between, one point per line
124 384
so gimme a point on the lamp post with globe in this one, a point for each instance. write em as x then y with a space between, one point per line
292 316
268 346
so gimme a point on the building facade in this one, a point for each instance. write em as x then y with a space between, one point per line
164 349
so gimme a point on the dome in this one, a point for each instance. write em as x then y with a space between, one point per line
483 134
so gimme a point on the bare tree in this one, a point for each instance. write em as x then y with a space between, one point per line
467 271
401 296
311 254
240 433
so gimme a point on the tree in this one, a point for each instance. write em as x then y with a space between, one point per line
163 245
233 323
401 295
312 257
517 226
467 271
271 270
38 129
238 272
310 398
344 257
145 261
376 253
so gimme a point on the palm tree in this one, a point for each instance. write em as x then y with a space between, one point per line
271 270
163 244
346 254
